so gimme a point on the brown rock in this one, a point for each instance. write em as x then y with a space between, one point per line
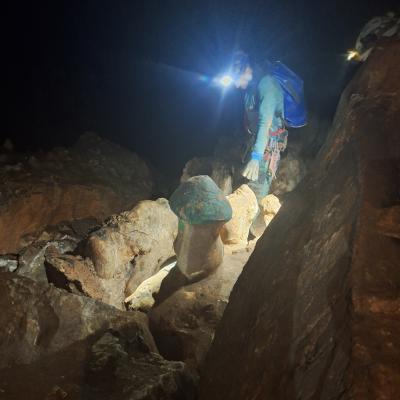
94 179
41 320
64 237
78 275
220 171
389 222
56 345
315 314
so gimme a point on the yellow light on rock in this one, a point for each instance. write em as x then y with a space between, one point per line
352 54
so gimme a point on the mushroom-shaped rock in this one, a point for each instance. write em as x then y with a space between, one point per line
202 209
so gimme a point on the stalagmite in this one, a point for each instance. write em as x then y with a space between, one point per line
202 210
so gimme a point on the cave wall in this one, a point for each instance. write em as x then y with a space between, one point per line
316 312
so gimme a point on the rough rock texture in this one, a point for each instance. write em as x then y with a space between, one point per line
221 172
244 209
8 263
132 376
77 275
133 245
315 314
183 324
202 209
93 179
389 222
291 171
64 237
118 256
43 320
56 345
270 206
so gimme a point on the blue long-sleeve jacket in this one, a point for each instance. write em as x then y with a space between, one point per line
270 111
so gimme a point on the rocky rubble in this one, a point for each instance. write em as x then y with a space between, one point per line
184 318
65 346
94 179
114 259
315 314
63 238
226 169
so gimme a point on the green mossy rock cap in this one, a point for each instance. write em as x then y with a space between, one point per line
200 201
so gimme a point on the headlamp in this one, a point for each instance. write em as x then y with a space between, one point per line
225 80
352 54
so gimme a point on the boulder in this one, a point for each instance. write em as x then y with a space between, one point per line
65 346
44 320
77 275
183 323
202 209
132 246
94 179
270 205
244 209
315 313
220 171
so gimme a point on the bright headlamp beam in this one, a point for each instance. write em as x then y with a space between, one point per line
226 80
351 55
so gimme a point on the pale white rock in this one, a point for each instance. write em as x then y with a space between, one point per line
244 209
142 299
270 206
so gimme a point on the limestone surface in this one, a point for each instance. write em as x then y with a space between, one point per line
134 244
244 209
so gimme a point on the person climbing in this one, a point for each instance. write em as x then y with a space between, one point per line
273 101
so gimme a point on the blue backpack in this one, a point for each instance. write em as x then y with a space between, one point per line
293 95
